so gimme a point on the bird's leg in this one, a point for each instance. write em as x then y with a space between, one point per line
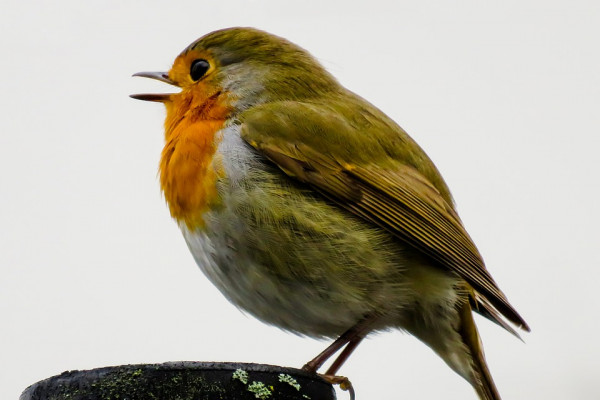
341 359
345 338
334 379
352 337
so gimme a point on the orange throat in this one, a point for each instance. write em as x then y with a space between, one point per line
189 165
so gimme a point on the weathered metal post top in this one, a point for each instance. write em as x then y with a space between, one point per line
183 381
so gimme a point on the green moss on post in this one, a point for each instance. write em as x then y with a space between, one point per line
183 381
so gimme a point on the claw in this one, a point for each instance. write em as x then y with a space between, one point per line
343 382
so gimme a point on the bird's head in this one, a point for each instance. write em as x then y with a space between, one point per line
230 70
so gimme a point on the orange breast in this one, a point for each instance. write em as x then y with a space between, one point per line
188 166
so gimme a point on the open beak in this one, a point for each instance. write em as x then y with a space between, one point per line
159 76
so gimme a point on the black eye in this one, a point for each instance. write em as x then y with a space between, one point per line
199 68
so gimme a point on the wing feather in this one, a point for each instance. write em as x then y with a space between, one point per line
390 194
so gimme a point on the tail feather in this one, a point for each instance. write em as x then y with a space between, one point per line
483 307
482 380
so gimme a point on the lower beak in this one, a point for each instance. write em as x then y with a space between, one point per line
159 76
160 97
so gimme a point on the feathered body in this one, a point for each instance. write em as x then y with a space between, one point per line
312 210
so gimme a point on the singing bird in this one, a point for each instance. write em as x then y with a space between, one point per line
310 209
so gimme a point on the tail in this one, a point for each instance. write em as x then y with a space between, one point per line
481 380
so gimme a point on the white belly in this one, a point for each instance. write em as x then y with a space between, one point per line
286 256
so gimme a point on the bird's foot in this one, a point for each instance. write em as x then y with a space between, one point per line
343 382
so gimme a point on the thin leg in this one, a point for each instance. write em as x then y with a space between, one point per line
316 363
352 337
352 344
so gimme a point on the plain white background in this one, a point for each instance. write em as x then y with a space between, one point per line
503 96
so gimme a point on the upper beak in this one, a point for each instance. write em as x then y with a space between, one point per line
159 76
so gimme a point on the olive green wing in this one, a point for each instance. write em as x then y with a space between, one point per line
318 147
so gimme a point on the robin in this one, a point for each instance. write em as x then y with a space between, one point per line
312 210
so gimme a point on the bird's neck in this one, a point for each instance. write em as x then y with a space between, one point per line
189 165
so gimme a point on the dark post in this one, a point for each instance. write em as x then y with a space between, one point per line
183 381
